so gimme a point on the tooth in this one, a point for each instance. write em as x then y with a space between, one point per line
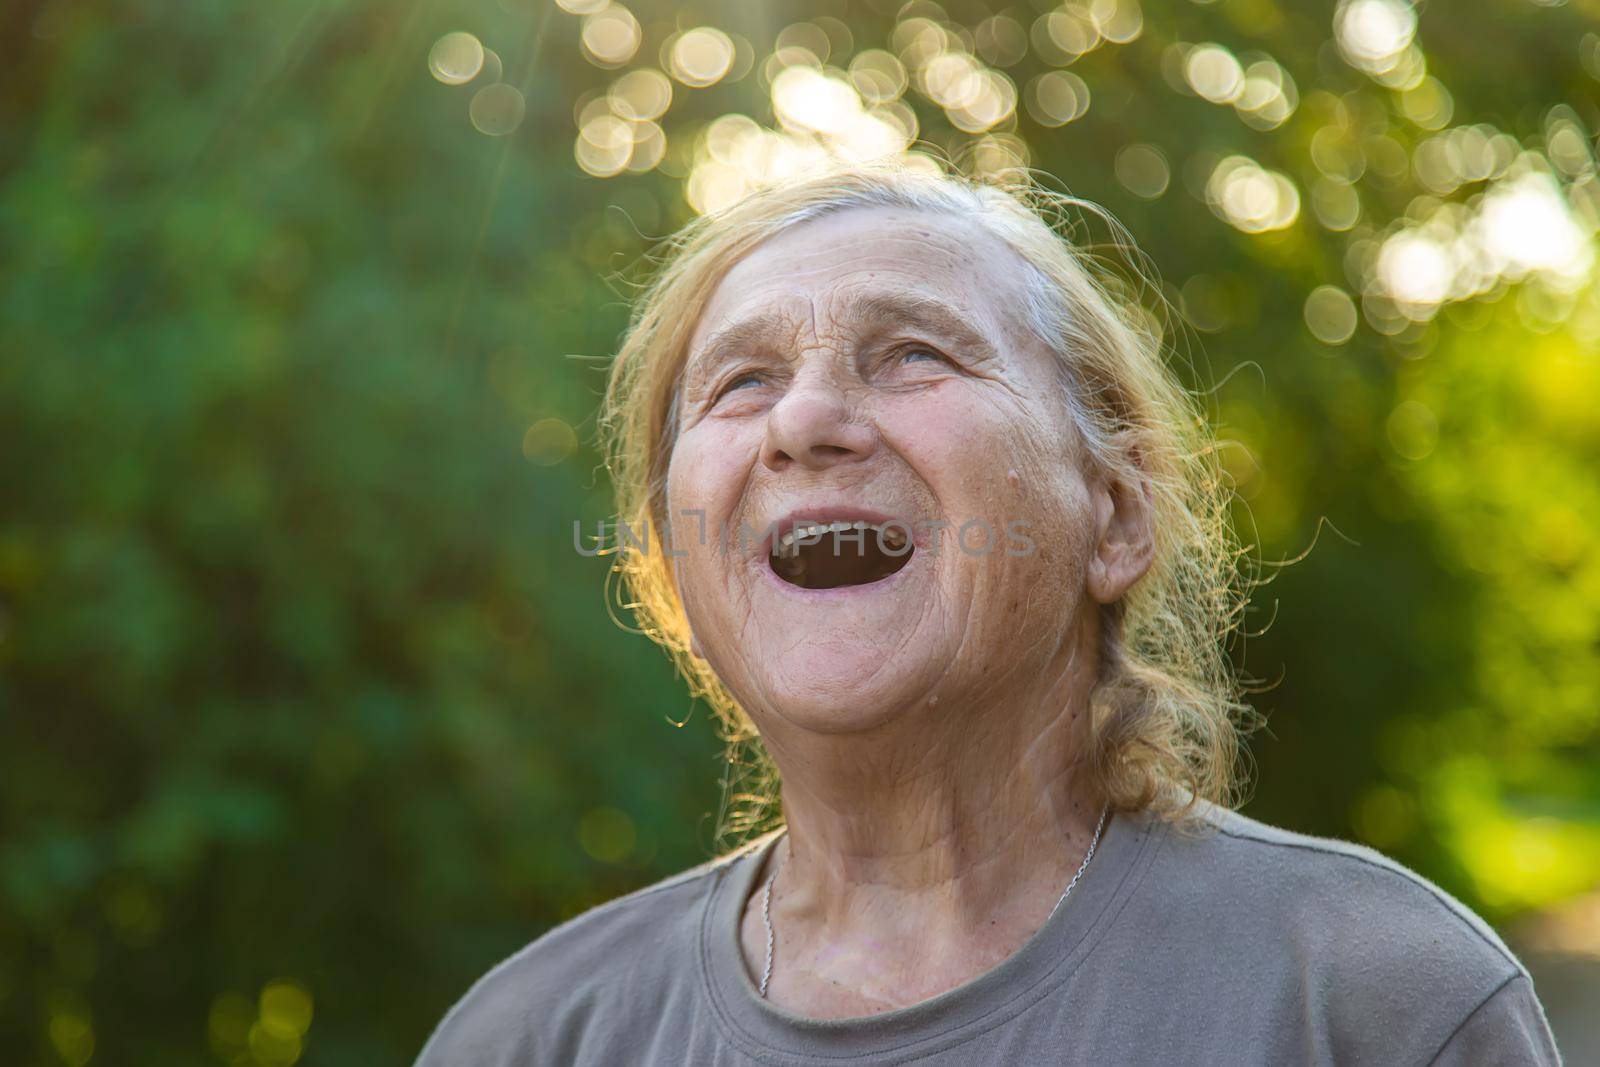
859 526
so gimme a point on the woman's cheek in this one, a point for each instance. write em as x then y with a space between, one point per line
705 483
961 443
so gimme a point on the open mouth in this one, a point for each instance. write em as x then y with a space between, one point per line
828 555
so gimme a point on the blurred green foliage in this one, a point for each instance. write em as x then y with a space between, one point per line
309 712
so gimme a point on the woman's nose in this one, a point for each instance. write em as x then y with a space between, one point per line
813 427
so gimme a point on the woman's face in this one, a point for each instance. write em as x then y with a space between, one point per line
864 367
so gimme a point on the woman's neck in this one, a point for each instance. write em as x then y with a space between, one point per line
933 847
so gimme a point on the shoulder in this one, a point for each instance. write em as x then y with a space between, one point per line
1369 945
1327 893
536 1005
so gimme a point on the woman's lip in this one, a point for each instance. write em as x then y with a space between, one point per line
828 514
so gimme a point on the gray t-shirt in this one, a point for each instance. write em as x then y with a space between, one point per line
1247 944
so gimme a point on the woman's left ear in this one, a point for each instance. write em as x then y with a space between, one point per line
1125 535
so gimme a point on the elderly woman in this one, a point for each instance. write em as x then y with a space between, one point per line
948 536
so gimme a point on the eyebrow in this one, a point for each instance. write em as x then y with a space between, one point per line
874 314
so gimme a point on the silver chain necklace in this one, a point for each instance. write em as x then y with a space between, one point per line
766 897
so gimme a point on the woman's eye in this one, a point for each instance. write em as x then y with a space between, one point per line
919 355
740 382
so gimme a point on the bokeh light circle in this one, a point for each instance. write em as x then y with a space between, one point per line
497 109
1214 73
878 76
549 442
604 146
456 58
640 94
1331 315
1143 170
1057 97
701 56
611 36
1250 197
649 147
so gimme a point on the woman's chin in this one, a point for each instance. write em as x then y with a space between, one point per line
826 692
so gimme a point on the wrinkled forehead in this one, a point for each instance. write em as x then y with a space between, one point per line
835 271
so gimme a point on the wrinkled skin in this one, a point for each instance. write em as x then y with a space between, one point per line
926 726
